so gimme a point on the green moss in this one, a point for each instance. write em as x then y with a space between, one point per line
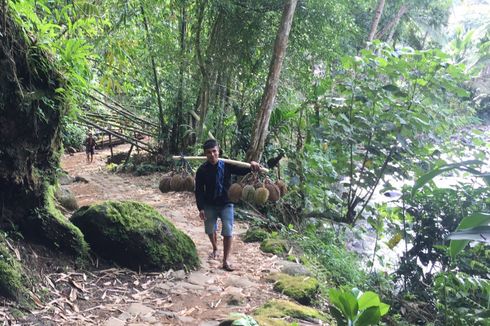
56 230
273 313
301 288
136 236
255 234
10 273
274 246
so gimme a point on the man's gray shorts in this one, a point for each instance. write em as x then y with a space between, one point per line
225 213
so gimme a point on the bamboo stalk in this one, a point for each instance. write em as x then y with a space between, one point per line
236 163
113 124
125 113
112 118
117 135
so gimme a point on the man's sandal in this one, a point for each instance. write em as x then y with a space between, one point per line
227 267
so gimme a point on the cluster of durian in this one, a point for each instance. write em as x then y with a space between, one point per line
257 193
182 181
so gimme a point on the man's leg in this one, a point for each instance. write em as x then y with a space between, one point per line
211 214
214 242
227 242
227 232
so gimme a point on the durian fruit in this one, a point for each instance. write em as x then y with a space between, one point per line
261 196
235 192
283 188
274 192
258 185
176 182
189 183
248 193
164 185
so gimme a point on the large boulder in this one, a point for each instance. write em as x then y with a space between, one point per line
135 235
66 199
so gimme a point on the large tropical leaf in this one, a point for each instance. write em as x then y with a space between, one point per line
429 176
467 230
479 233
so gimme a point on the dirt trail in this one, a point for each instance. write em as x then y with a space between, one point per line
203 297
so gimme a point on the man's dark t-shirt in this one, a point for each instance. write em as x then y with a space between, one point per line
89 145
206 184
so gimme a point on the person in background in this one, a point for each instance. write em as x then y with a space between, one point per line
90 147
213 178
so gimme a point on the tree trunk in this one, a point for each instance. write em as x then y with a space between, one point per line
261 125
391 26
376 19
162 134
203 101
176 135
30 142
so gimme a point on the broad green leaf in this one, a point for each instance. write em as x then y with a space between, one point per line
384 308
368 299
470 230
456 246
391 88
369 316
334 295
479 233
434 173
475 219
349 303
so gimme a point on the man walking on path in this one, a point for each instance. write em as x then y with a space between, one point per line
89 148
213 178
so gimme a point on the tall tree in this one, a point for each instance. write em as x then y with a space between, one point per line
31 109
376 19
155 78
261 125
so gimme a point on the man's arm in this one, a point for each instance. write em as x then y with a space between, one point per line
199 191
254 166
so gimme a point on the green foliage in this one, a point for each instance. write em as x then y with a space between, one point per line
373 118
353 307
255 234
62 31
462 299
472 227
333 264
72 135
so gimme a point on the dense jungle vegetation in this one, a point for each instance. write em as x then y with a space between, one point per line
370 106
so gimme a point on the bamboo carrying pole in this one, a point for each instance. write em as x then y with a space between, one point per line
236 163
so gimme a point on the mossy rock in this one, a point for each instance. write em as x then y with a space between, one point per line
48 226
10 273
255 234
66 199
300 288
136 236
274 246
274 312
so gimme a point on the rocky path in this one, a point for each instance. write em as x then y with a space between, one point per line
204 297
